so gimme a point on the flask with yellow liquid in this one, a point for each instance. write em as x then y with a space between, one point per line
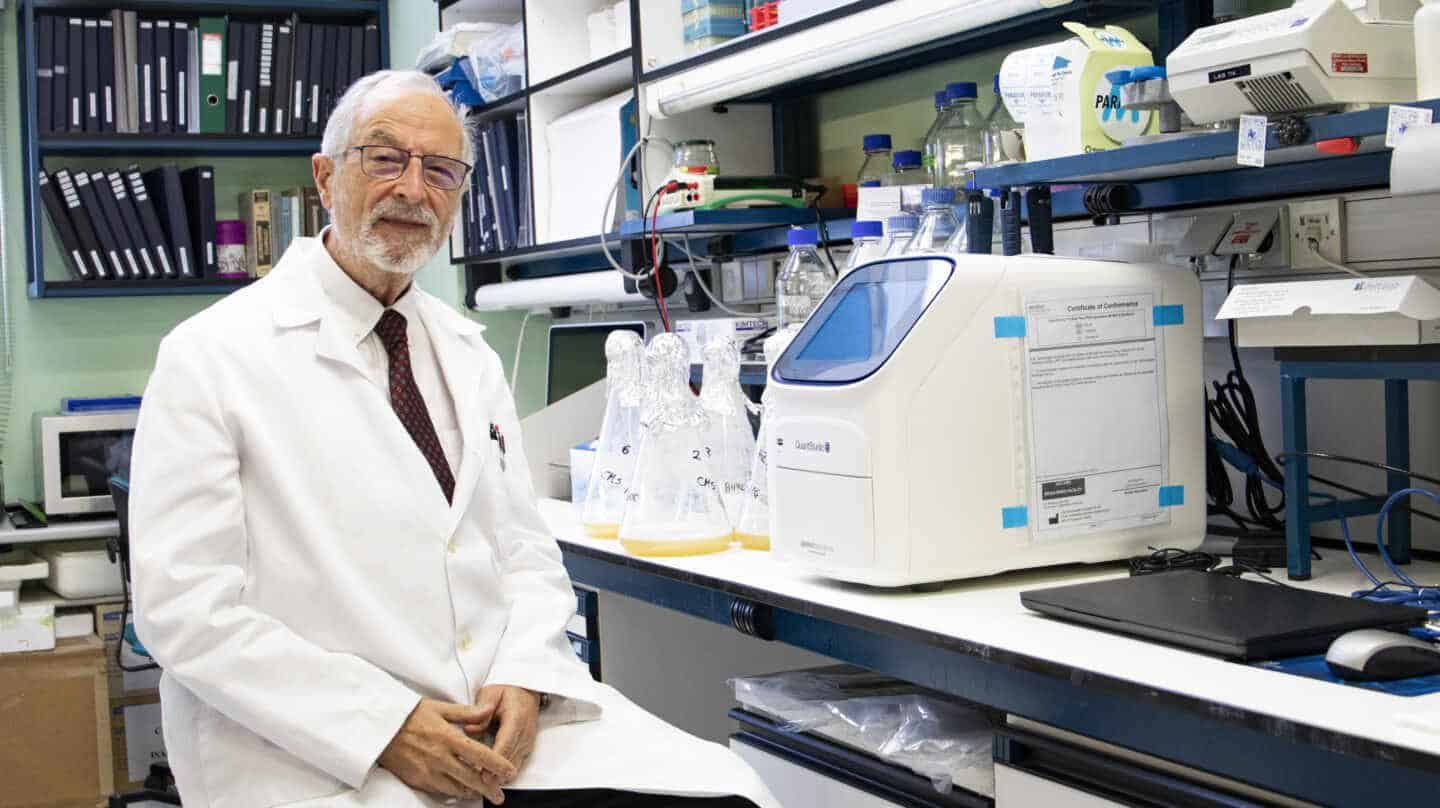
619 443
673 506
729 439
752 527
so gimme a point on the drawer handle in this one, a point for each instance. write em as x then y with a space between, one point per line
752 619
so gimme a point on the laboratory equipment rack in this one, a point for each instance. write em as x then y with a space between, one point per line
1340 152
627 70
36 147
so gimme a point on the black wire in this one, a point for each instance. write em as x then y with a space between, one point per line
1171 558
821 228
1359 461
124 620
645 238
1372 495
1234 413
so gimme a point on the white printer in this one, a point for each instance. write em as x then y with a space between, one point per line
942 417
1316 54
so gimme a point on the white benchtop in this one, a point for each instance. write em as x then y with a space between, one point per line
988 612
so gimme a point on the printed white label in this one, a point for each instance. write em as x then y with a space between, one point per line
1401 120
149 267
164 75
75 112
99 263
245 114
1250 144
279 121
79 260
212 56
94 106
1095 372
299 96
264 120
232 82
164 262
314 103
115 261
209 253
109 105
134 267
185 263
149 116
183 99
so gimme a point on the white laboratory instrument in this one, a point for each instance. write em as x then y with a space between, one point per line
943 417
1316 54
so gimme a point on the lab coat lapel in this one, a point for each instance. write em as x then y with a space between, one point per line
460 365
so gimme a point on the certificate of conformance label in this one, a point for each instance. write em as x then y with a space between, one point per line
1095 381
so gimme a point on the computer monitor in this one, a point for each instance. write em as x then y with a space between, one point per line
576 355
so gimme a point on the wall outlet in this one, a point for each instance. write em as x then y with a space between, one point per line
1319 221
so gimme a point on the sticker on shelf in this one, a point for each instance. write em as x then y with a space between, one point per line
1250 146
1401 120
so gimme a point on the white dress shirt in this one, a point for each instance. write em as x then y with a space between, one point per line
363 312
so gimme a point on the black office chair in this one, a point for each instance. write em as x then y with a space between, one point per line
160 785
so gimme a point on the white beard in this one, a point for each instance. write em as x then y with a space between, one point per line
404 255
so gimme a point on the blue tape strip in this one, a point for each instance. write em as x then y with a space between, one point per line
1172 496
1009 327
1168 315
1014 516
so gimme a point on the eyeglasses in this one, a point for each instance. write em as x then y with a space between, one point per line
389 163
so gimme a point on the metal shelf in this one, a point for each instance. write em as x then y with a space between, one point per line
603 76
731 220
1202 169
103 528
332 8
142 288
207 145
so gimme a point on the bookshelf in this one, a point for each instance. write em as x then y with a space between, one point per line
285 157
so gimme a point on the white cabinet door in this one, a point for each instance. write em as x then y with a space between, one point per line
1018 789
797 787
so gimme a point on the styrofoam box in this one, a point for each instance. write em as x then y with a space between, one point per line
74 622
81 569
19 564
31 627
9 595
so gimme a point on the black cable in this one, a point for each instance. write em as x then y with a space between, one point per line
1359 461
821 228
1372 495
125 620
1233 412
1171 558
645 238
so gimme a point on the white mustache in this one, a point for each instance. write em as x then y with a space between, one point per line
396 210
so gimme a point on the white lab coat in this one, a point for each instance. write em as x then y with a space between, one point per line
300 577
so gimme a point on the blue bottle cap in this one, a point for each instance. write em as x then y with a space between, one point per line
960 89
875 142
1147 73
906 159
939 99
906 222
867 230
937 196
799 236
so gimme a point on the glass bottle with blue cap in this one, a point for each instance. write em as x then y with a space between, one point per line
959 143
898 232
803 280
865 245
938 224
877 161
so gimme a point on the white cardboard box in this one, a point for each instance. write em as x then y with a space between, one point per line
82 569
1393 310
31 627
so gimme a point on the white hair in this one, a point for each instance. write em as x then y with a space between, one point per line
378 86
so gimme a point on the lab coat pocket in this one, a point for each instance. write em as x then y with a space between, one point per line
243 770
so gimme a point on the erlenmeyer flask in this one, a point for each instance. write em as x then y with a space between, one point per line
672 506
619 443
752 528
728 438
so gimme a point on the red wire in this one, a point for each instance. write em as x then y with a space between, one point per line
655 261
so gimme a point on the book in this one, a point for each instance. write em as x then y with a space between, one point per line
90 95
284 74
150 223
198 186
60 222
130 220
44 74
107 63
104 236
163 185
259 240
181 75
84 226
265 86
164 70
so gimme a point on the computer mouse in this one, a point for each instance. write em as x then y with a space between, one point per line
1376 656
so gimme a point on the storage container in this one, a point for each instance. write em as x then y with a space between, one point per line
81 570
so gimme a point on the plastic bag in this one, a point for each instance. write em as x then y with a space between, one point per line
453 41
498 63
901 723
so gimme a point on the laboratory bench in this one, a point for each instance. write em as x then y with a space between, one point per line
1313 740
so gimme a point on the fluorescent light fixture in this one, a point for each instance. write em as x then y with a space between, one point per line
856 38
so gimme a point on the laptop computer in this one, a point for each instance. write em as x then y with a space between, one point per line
1219 614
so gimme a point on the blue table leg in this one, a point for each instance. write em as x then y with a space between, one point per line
1297 471
1397 453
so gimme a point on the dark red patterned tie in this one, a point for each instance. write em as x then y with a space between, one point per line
409 405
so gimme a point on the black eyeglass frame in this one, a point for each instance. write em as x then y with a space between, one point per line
409 155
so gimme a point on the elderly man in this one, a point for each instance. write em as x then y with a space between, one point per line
338 559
